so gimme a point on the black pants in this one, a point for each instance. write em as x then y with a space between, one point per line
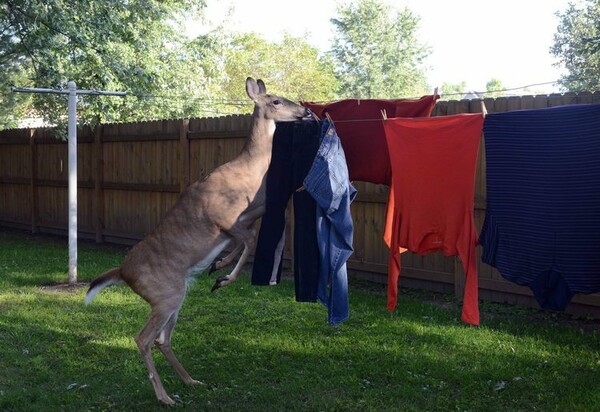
295 145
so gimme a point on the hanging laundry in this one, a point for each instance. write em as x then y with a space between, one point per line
433 165
328 183
295 145
542 223
362 134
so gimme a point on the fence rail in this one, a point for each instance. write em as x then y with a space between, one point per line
130 174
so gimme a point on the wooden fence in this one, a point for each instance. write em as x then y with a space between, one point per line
130 174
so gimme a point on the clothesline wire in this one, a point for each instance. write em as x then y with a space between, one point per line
503 90
209 102
479 93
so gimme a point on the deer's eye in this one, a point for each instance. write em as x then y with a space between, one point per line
276 102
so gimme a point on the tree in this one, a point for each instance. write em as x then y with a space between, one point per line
577 46
130 45
291 68
376 51
494 88
13 106
453 91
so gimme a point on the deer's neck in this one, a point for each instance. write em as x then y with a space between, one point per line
260 141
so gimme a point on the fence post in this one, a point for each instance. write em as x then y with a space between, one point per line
98 183
184 177
33 181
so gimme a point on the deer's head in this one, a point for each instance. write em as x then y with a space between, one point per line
272 107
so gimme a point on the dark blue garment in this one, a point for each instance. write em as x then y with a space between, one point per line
328 183
294 147
542 224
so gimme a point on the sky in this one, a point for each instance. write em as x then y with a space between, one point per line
470 40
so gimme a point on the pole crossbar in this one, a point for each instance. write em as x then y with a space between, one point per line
72 155
66 91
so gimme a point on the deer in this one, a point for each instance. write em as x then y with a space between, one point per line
209 214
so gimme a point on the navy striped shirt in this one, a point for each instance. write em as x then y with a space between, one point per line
542 224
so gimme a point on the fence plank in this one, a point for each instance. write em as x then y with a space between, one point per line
32 183
184 176
98 181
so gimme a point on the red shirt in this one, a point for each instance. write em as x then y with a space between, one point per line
433 164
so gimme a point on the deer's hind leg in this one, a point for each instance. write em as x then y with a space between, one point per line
163 342
163 317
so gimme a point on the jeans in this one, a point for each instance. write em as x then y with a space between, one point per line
294 147
328 183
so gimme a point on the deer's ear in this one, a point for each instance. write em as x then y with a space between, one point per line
261 86
252 88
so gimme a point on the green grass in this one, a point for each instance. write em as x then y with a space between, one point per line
256 349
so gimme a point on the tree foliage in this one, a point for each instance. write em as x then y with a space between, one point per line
494 88
577 46
376 51
132 45
292 68
453 91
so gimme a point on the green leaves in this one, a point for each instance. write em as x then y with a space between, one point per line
377 52
105 45
291 67
577 46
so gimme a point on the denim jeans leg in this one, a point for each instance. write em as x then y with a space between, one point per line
323 244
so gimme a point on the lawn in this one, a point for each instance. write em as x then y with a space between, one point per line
256 349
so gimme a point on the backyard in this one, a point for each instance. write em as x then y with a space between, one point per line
256 349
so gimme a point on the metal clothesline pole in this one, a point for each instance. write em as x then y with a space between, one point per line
72 155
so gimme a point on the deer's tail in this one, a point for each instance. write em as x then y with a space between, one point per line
112 277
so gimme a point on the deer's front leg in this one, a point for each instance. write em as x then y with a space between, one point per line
227 260
244 233
247 237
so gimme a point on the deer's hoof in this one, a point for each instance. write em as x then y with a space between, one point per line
219 283
167 400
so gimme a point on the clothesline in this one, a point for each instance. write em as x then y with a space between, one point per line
354 120
383 116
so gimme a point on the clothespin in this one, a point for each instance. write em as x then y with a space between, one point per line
358 101
384 114
300 189
483 108
435 93
314 115
328 117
